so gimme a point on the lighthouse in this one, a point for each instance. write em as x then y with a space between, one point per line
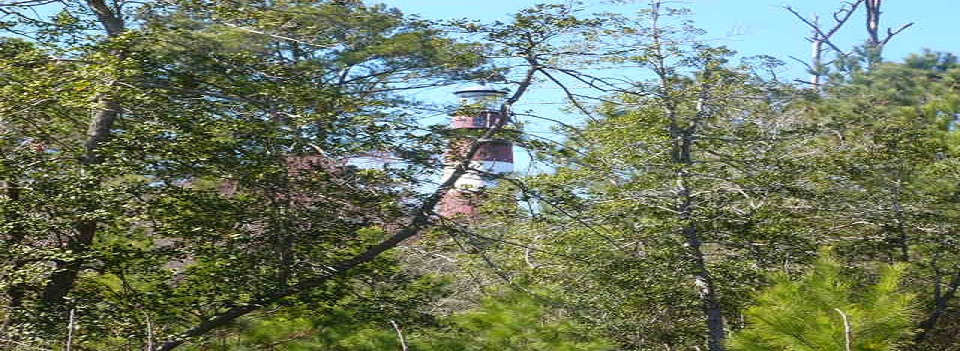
479 110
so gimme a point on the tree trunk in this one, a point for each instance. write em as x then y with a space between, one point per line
941 302
683 133
702 279
16 291
108 111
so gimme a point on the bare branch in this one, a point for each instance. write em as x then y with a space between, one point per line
28 3
809 67
821 35
573 98
891 33
277 36
403 342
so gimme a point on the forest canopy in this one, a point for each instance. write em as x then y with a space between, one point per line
266 175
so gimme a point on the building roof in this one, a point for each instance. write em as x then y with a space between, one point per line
482 88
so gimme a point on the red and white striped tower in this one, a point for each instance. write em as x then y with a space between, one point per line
480 110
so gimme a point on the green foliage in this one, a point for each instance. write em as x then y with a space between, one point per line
330 320
511 321
877 175
827 308
221 177
695 148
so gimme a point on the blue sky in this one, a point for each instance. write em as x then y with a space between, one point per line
751 27
754 27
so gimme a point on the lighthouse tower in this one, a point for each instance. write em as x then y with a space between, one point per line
480 110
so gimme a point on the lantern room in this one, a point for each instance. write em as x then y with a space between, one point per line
481 97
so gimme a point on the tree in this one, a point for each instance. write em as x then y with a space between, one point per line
897 118
869 53
212 177
879 171
177 172
388 313
511 321
502 321
664 208
827 309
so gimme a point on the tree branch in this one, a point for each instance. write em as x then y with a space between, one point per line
422 218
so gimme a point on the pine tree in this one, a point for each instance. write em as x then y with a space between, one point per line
828 309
